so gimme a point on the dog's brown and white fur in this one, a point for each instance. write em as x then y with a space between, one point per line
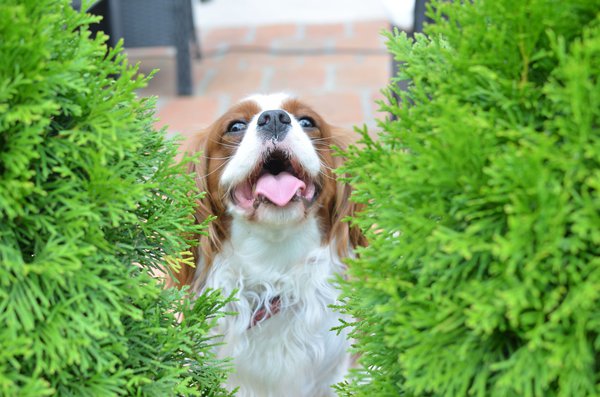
278 240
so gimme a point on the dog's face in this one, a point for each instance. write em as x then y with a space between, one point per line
275 160
269 161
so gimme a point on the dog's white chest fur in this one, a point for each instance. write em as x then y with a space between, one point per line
294 352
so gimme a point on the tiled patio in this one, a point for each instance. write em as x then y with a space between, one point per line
339 68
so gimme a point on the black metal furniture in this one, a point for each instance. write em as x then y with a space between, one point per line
152 23
418 19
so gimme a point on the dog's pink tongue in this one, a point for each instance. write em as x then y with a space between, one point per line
280 188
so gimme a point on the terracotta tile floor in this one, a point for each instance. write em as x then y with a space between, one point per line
338 68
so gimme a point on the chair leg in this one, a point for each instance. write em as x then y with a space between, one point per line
182 44
193 33
196 44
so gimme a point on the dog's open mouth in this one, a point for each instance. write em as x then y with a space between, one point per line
278 180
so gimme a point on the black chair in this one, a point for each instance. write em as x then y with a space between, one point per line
418 19
151 23
419 15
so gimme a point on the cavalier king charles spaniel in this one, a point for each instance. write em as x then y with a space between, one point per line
278 241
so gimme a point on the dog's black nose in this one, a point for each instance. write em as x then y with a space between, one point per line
274 124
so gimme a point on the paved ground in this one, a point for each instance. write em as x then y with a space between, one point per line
339 68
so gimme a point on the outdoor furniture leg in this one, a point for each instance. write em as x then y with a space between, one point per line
182 44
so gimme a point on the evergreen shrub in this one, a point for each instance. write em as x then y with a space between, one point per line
90 202
482 208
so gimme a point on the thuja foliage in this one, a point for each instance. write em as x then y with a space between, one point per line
482 277
90 201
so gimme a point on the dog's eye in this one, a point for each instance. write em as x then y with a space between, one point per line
237 127
306 122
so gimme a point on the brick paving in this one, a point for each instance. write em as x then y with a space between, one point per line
339 69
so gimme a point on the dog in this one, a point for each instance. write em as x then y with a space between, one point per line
278 242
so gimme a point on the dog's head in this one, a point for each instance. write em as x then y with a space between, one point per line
269 161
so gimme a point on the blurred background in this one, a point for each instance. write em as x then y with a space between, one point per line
212 53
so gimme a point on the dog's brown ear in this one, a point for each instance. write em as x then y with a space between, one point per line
194 145
347 236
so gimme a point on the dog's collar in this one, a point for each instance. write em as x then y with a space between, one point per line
265 313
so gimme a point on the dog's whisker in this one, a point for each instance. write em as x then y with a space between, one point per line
228 144
327 176
329 138
323 165
215 170
219 158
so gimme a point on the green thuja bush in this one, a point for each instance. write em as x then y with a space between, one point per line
482 208
90 202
